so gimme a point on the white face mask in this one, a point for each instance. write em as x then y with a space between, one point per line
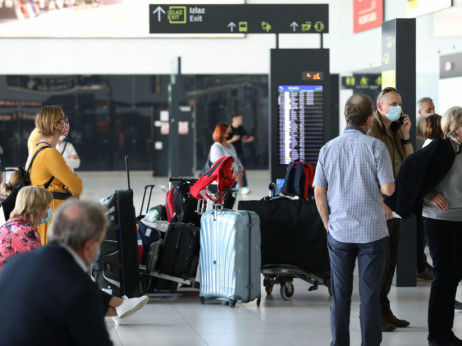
62 138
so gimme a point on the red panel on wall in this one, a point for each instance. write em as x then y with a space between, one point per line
367 14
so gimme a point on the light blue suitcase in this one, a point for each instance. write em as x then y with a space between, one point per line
230 256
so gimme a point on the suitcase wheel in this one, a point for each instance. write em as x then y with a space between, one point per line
258 302
232 303
287 290
202 300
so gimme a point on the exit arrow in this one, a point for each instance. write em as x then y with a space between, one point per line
159 10
294 26
231 25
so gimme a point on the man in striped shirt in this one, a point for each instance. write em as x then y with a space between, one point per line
352 172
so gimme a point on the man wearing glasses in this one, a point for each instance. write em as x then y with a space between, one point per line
391 126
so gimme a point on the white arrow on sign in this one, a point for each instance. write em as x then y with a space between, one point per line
294 25
159 10
231 25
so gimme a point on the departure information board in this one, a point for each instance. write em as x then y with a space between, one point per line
300 118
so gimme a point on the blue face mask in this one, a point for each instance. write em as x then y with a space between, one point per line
394 113
96 258
45 220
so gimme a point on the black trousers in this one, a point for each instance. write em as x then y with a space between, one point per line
394 227
445 242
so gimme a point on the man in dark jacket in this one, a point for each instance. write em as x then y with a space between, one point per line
47 297
392 127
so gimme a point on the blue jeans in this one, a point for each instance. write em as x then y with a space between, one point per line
371 262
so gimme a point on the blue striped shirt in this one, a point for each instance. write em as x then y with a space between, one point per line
352 167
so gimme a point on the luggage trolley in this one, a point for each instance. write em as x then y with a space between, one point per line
284 274
146 272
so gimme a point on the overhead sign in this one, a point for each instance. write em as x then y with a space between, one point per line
243 19
367 14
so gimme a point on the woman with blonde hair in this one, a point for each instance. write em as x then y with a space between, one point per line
49 169
19 233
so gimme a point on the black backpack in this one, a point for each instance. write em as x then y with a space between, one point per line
9 203
185 204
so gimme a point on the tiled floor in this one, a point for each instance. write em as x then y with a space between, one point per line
180 319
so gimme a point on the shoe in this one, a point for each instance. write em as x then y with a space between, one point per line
387 327
425 275
457 305
245 190
454 340
392 319
131 305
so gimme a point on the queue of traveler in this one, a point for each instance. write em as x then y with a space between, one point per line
360 206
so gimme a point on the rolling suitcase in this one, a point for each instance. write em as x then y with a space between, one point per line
116 268
230 257
180 251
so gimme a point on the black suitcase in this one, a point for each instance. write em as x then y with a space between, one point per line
180 251
292 233
116 268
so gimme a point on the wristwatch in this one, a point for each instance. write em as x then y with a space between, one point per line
406 141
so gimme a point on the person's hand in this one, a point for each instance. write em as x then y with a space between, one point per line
405 127
438 200
387 211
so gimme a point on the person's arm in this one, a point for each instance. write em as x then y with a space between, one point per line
85 322
320 195
233 139
59 169
406 136
384 175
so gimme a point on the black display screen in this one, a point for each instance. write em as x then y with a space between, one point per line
300 121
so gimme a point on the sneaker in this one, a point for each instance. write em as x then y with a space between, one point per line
245 190
425 275
457 305
131 305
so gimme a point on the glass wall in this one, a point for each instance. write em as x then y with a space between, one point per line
115 115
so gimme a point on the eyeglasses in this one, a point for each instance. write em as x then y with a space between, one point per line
65 118
384 91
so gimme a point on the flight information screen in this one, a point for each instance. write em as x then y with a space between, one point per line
300 112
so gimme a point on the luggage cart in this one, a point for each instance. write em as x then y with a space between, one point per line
284 274
193 282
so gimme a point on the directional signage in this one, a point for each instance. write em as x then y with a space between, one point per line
243 19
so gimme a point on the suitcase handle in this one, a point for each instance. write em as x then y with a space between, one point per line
149 199
128 171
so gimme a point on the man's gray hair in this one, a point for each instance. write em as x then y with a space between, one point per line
76 221
422 100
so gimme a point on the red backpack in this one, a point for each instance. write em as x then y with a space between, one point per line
299 179
222 173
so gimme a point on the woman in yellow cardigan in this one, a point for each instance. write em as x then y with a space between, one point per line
49 169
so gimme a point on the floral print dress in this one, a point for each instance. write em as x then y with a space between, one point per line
17 235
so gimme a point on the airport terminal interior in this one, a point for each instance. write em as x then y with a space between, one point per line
135 82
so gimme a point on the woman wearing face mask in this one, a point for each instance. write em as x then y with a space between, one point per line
19 233
49 168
